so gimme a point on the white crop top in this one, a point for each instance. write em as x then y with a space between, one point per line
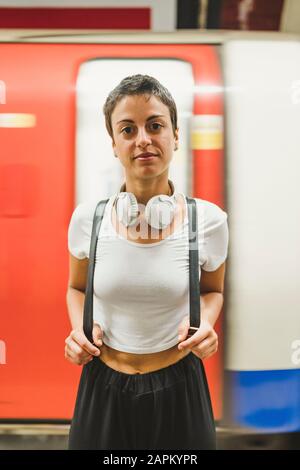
141 291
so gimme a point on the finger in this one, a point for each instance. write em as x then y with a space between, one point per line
79 337
204 345
97 334
209 352
74 348
76 359
193 340
82 340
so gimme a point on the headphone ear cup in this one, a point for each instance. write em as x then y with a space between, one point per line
127 208
160 211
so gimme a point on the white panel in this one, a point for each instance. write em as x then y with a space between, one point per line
98 173
164 15
263 174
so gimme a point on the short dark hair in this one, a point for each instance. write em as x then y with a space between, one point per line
139 85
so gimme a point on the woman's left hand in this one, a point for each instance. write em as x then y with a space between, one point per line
203 343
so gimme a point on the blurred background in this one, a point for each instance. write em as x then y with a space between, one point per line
233 67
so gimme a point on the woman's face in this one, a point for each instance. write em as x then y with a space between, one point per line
141 126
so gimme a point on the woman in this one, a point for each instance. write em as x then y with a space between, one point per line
143 385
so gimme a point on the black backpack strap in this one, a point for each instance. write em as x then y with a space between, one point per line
195 305
88 321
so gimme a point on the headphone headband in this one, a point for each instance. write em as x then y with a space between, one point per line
159 211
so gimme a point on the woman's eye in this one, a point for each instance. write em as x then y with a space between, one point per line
126 130
156 126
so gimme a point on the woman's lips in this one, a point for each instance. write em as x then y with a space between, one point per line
144 157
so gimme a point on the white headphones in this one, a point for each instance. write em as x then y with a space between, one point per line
159 211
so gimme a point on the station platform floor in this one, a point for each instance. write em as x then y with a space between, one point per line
55 437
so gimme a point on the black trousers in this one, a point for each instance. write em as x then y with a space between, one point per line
168 408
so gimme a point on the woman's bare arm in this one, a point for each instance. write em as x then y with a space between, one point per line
78 270
211 293
79 349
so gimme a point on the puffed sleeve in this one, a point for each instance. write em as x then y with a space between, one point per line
79 231
213 236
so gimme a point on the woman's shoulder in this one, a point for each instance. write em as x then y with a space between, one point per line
84 211
80 228
213 234
210 215
210 208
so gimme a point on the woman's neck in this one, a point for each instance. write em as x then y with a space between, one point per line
143 195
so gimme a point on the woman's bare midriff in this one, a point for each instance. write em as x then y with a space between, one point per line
142 363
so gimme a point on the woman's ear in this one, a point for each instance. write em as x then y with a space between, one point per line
176 138
114 147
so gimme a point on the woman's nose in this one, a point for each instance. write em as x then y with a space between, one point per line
142 138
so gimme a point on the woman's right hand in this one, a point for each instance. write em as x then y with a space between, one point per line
78 349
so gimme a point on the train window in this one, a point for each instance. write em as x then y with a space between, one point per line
98 173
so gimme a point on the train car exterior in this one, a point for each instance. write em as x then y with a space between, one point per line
239 110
